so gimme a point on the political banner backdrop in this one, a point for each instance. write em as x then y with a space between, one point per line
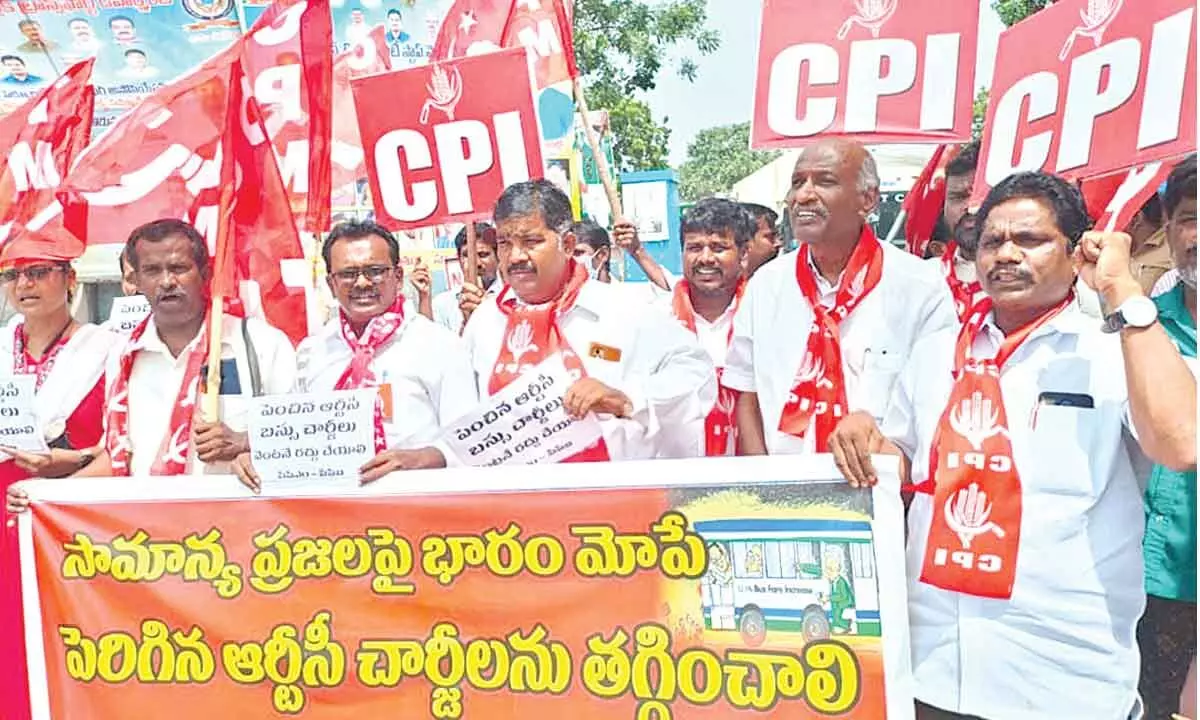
443 141
138 46
713 588
878 70
411 26
1085 88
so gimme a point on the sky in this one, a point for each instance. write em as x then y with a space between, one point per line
724 89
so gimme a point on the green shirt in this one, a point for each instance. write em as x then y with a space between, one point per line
1170 544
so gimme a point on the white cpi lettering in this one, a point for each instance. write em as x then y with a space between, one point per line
967 560
979 461
1087 99
464 150
867 81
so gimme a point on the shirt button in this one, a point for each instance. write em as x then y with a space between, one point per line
1160 518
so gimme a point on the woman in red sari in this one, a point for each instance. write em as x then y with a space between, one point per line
67 359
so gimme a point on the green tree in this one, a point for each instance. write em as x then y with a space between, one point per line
717 158
1012 12
621 46
979 113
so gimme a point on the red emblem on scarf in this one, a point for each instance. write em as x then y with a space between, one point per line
532 335
172 458
720 426
819 389
976 530
358 373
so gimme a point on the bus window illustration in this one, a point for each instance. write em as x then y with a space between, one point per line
810 577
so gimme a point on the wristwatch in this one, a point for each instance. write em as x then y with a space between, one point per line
1138 312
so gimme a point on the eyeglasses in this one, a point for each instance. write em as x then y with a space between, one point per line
373 273
33 273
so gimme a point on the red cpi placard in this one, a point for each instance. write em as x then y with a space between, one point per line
1086 88
443 141
883 70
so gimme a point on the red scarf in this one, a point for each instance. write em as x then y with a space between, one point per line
976 529
964 292
721 424
25 364
819 388
358 373
173 454
532 335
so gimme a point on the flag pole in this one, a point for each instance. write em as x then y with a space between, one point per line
211 397
471 271
610 190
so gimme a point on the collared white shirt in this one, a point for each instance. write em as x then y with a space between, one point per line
770 336
667 376
157 376
714 339
426 367
1063 646
446 311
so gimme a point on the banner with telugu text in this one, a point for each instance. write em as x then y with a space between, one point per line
714 588
139 46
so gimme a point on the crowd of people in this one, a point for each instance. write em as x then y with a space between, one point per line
1048 455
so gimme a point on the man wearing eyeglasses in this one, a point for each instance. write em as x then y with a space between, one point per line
422 370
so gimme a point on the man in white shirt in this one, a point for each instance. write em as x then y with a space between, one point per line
1025 559
422 370
716 236
154 381
825 330
451 306
643 375
766 244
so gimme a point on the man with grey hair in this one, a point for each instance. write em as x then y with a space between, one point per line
826 333
645 378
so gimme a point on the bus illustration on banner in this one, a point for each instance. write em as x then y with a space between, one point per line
812 577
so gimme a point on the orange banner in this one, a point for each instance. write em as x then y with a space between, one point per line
700 601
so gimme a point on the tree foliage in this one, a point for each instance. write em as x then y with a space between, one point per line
717 158
1012 12
621 46
979 113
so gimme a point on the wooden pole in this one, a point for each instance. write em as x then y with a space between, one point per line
212 389
610 190
471 271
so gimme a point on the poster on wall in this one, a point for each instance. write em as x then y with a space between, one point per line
138 46
645 204
411 26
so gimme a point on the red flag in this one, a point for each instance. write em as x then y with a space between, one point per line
38 144
1115 199
923 205
542 27
290 69
366 57
198 149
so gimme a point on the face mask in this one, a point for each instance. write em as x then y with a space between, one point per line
593 271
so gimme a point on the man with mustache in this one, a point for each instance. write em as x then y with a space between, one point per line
649 383
1024 553
958 258
422 370
826 332
1167 632
716 235
155 380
